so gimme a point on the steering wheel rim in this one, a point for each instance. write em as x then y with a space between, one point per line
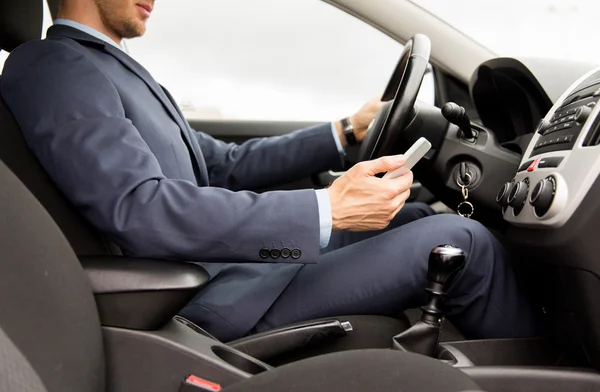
400 96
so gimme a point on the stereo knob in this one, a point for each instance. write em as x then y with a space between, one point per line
582 114
502 197
542 195
518 196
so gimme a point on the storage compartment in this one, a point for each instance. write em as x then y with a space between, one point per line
141 294
493 379
507 352
238 361
143 361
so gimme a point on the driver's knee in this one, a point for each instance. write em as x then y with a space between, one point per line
482 249
485 299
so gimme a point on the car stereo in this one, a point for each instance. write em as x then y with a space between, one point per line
561 132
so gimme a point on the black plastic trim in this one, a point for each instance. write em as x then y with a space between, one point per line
141 294
505 379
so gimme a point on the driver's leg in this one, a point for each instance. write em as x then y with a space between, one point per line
386 274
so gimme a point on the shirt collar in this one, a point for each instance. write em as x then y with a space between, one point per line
87 29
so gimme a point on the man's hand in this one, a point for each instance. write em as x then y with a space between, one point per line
362 202
361 120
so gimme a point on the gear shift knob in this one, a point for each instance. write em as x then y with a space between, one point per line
445 262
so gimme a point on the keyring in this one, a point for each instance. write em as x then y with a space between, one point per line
468 182
466 214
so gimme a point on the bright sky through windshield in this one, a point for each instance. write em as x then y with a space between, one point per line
560 29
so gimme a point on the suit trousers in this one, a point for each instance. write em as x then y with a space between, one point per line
384 273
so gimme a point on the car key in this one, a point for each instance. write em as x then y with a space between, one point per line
467 207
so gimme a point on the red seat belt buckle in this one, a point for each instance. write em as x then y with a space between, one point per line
197 384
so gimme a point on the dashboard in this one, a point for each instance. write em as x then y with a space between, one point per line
550 201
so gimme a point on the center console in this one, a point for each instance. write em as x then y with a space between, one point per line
561 162
552 206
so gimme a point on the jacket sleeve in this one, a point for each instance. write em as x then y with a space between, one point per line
270 161
74 122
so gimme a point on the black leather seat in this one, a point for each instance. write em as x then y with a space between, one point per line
21 21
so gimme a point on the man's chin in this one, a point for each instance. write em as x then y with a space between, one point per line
135 30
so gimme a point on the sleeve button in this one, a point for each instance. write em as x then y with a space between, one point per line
275 253
264 253
296 253
285 253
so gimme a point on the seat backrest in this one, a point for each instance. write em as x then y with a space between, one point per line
47 308
21 21
16 374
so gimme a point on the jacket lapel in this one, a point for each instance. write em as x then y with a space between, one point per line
161 94
167 101
187 133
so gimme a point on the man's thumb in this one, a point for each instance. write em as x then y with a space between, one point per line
385 164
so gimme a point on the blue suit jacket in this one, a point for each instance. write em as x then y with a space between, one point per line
119 148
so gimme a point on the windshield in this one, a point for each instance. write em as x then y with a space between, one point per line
525 28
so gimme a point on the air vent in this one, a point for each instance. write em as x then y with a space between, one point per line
593 136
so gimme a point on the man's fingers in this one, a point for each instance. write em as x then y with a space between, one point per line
401 200
403 182
383 164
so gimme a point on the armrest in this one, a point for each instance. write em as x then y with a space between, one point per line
266 345
141 294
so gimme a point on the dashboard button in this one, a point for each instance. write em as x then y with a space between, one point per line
524 166
582 114
502 196
533 165
543 195
541 126
549 162
518 196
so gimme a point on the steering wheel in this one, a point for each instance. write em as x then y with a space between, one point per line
400 96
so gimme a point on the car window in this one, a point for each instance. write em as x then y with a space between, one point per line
266 59
47 23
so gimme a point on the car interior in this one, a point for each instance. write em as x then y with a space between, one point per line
76 314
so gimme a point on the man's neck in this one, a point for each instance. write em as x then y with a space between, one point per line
90 18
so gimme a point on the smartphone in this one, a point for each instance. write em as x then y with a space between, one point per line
412 155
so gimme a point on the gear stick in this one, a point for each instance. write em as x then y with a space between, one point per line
445 263
458 116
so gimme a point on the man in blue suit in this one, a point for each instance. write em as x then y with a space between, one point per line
119 148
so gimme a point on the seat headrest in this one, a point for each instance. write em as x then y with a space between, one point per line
20 21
